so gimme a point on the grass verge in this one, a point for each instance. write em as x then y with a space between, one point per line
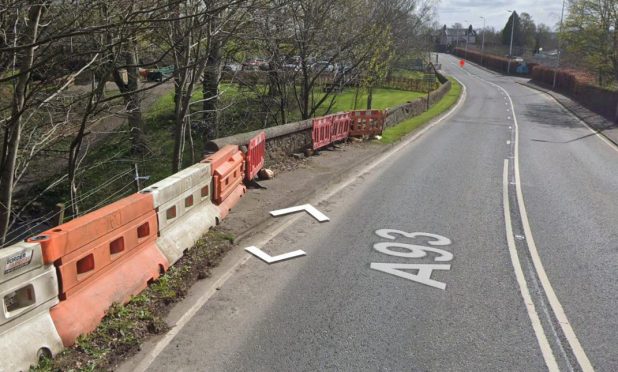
393 134
125 327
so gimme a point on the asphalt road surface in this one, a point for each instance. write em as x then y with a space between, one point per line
488 243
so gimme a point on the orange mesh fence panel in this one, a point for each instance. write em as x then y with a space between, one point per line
321 133
366 123
255 155
341 127
228 166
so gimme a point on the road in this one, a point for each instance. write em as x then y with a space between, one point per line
487 243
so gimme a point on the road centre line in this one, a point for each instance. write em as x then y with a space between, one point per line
548 354
158 348
555 304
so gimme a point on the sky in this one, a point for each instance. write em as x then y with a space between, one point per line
495 12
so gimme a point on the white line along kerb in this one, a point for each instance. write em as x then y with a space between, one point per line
321 217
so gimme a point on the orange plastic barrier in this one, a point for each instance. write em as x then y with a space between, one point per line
341 127
73 235
232 200
228 168
366 123
101 258
82 312
255 155
321 133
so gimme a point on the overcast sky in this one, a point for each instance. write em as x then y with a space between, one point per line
495 11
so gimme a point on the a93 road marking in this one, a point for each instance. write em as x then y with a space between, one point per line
424 271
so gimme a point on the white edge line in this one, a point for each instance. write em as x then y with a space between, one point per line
555 304
596 132
186 317
548 354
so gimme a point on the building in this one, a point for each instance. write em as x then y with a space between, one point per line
456 37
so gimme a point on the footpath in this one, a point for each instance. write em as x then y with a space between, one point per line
595 121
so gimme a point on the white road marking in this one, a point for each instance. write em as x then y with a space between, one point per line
541 338
596 132
508 142
423 275
555 304
305 207
272 259
201 301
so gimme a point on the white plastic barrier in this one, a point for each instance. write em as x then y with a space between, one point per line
23 343
184 209
28 289
26 283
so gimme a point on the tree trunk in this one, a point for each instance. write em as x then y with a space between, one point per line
134 106
14 125
132 101
369 97
210 90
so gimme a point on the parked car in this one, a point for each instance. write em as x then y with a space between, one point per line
255 64
323 66
232 67
292 63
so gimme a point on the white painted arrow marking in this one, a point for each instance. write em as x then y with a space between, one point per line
272 259
305 207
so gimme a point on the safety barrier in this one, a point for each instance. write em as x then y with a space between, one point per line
366 123
340 127
102 257
321 132
228 170
28 289
184 209
255 155
28 338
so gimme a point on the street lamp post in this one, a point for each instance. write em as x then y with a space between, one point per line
508 68
467 38
483 43
558 64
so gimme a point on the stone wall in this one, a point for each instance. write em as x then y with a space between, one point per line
283 140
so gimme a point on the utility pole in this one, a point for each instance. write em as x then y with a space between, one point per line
558 64
508 68
483 43
457 45
467 39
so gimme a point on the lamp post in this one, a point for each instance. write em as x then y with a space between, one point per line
483 42
457 41
558 64
508 68
467 38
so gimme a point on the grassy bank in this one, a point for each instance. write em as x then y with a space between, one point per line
393 134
